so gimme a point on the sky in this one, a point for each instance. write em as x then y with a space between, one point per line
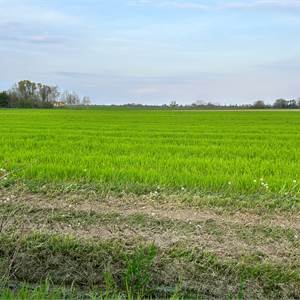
154 51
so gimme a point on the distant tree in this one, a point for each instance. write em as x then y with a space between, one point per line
4 99
70 98
25 90
47 93
28 94
259 104
292 103
173 104
281 103
199 103
210 104
86 100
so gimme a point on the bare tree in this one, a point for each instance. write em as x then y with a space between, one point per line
70 98
86 100
173 104
47 93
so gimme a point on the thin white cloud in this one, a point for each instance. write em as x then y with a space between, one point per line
263 3
172 4
26 12
46 39
32 22
203 5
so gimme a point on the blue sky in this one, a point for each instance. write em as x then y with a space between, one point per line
154 51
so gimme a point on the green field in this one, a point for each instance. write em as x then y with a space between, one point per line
243 152
132 204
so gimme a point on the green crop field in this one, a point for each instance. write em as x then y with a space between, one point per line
114 203
140 150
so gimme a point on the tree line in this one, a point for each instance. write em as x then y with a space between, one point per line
279 103
199 104
28 94
259 104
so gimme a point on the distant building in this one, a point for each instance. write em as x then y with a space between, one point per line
58 104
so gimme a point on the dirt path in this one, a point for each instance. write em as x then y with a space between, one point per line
134 205
275 237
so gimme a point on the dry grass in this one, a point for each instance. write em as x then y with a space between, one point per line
219 247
